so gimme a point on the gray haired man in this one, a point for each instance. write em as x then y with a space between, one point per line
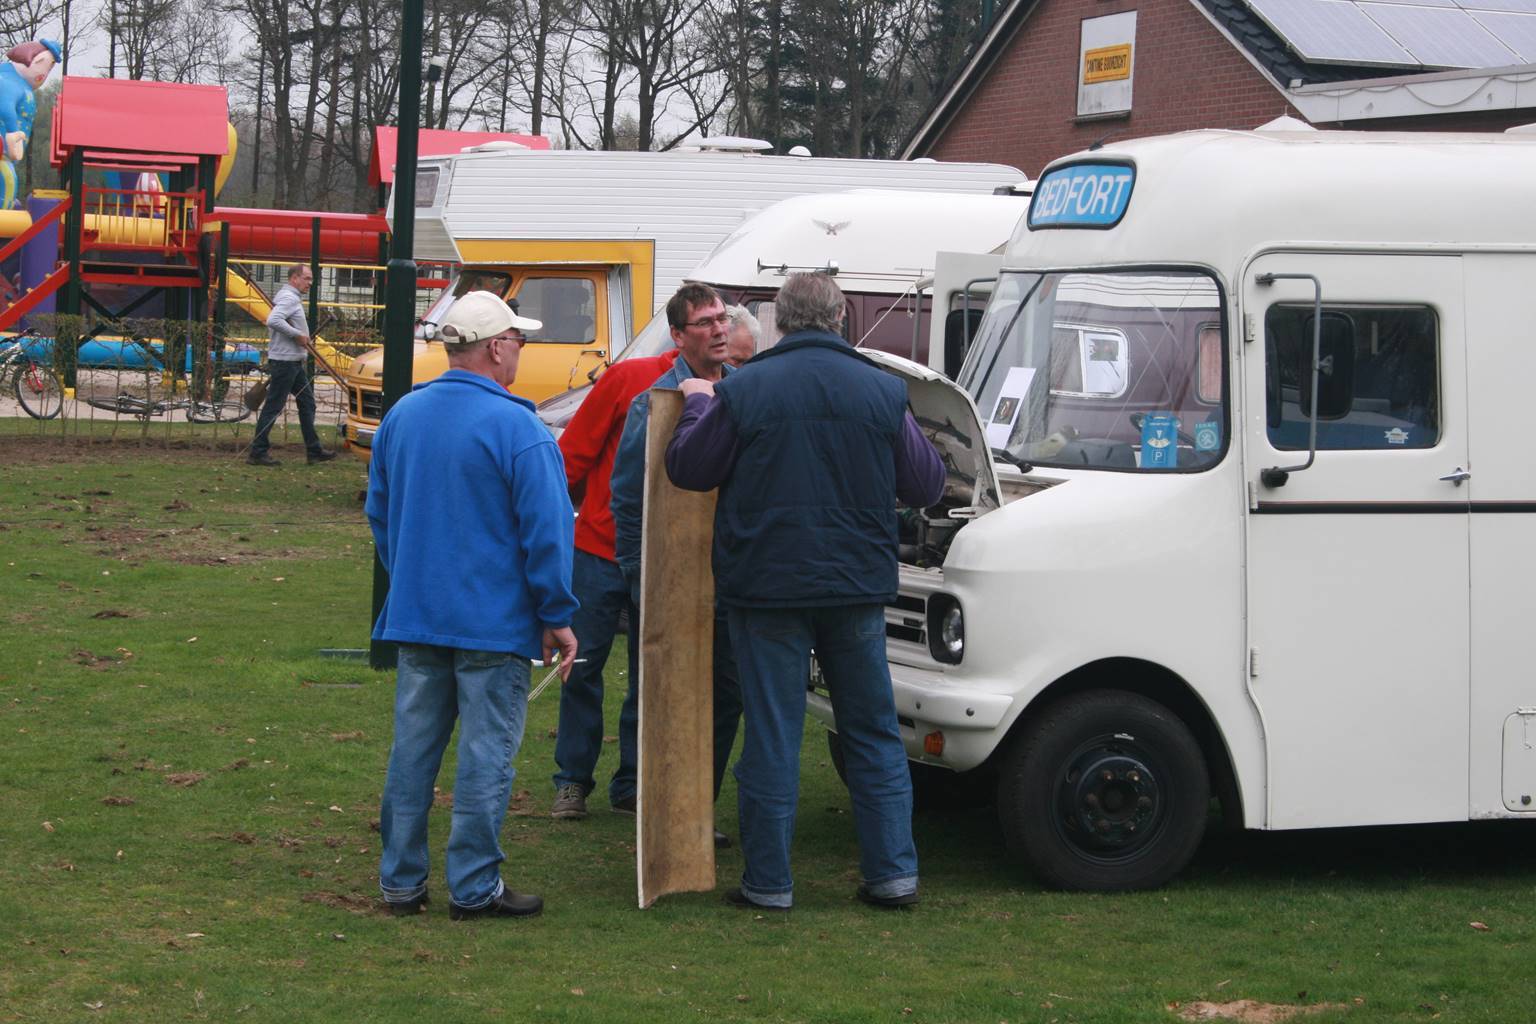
287 336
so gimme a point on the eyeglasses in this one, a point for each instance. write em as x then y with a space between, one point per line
513 336
704 322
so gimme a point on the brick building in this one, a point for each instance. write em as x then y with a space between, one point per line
1053 76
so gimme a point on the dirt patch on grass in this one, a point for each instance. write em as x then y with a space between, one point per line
1250 1011
52 450
351 902
185 779
190 545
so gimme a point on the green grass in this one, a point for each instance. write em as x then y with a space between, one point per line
162 614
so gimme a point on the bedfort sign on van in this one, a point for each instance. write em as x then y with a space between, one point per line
1240 501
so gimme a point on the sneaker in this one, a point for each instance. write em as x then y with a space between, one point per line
570 802
624 805
261 460
888 902
407 908
737 898
508 904
722 841
325 455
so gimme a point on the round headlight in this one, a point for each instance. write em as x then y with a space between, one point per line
952 632
946 629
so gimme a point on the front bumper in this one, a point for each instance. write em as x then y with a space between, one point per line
927 701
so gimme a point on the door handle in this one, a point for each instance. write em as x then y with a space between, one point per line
1456 476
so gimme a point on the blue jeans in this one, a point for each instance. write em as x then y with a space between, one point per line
600 587
288 377
488 693
773 648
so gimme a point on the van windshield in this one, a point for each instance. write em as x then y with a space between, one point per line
468 280
1106 370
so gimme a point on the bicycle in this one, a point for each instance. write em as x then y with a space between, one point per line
217 404
37 387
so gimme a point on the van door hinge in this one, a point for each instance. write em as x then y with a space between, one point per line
1253 662
1250 329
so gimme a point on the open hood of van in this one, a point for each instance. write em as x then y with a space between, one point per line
949 418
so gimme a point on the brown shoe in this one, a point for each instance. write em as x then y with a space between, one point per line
261 460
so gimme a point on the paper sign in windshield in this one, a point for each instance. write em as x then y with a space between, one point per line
1010 403
1159 441
1082 196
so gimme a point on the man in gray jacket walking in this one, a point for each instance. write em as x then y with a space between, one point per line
288 332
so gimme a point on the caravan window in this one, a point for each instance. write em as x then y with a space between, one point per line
1379 383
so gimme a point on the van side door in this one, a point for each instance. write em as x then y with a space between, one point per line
1358 565
1501 365
573 305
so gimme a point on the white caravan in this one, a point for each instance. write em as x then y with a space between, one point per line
682 202
1248 510
879 245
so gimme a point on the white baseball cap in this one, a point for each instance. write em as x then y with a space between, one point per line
476 316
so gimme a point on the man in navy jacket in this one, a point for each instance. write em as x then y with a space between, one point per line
811 446
467 501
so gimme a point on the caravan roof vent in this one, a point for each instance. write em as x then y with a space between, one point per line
799 151
496 146
729 144
1285 123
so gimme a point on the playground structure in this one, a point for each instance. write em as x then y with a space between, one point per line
134 241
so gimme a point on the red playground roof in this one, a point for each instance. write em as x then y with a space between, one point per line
435 142
153 119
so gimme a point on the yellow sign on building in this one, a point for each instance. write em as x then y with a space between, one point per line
1107 64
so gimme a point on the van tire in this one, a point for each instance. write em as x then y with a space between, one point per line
1076 827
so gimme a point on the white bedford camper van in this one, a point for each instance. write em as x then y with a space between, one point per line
1240 500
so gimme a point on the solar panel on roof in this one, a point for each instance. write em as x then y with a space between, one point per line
1406 33
1516 6
1441 38
1516 31
1331 31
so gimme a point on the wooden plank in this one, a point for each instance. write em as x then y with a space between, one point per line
675 813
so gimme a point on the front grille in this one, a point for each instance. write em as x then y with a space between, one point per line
372 404
906 619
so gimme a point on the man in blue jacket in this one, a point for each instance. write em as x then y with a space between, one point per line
811 446
700 328
467 501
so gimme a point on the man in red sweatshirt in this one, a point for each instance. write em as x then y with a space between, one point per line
589 444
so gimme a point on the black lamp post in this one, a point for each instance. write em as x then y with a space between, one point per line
400 278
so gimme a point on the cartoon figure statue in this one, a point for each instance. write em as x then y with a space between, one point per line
30 64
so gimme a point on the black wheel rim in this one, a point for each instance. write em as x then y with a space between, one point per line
1111 802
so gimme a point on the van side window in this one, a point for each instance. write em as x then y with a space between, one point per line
566 305
1379 385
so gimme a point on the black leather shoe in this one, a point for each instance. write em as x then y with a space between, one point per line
624 805
888 902
722 841
325 456
406 908
508 904
737 898
262 460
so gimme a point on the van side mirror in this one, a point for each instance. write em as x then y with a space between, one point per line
1336 368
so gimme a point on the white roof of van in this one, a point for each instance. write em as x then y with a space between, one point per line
1216 197
881 240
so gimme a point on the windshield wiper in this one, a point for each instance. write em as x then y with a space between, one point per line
1012 460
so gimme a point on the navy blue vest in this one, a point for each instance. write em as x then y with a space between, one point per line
808 515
